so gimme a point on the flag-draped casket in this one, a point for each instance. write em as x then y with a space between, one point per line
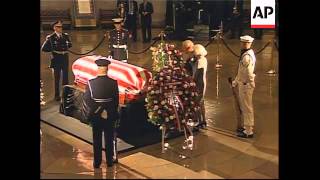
132 80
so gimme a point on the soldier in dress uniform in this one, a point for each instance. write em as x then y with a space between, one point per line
118 41
58 44
100 103
245 82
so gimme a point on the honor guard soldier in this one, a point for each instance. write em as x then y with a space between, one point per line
58 44
245 82
118 41
100 103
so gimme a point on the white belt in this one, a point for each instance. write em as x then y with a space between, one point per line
60 52
120 46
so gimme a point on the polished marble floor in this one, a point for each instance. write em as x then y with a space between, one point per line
218 153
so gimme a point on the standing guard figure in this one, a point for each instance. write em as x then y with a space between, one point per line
118 41
58 44
100 104
245 82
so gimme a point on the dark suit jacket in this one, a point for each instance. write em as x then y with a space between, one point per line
146 20
135 8
102 87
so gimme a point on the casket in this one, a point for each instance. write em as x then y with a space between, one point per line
132 80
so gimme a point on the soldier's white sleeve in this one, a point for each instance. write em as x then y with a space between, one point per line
247 62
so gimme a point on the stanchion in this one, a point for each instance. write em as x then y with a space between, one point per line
272 71
218 83
218 36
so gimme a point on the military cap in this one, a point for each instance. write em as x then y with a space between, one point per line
247 39
56 22
102 62
117 20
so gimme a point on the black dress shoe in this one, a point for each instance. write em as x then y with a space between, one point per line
244 135
96 166
241 129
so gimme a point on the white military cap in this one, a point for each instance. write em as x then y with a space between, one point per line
246 38
117 20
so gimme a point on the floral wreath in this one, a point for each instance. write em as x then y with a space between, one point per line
172 93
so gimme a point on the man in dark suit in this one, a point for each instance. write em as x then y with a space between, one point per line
58 44
132 18
100 102
216 14
236 14
145 11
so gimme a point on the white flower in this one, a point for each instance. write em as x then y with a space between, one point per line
163 102
167 119
155 101
159 111
171 117
161 74
185 99
168 77
146 99
160 78
155 107
152 92
185 85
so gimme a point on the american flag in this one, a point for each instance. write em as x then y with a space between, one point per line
132 80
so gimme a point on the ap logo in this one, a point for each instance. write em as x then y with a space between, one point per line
262 13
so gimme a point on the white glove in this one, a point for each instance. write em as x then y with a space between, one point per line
234 83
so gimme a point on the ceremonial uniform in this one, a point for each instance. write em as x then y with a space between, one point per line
118 42
245 82
58 44
100 102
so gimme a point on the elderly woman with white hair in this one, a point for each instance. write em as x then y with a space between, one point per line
200 77
188 56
